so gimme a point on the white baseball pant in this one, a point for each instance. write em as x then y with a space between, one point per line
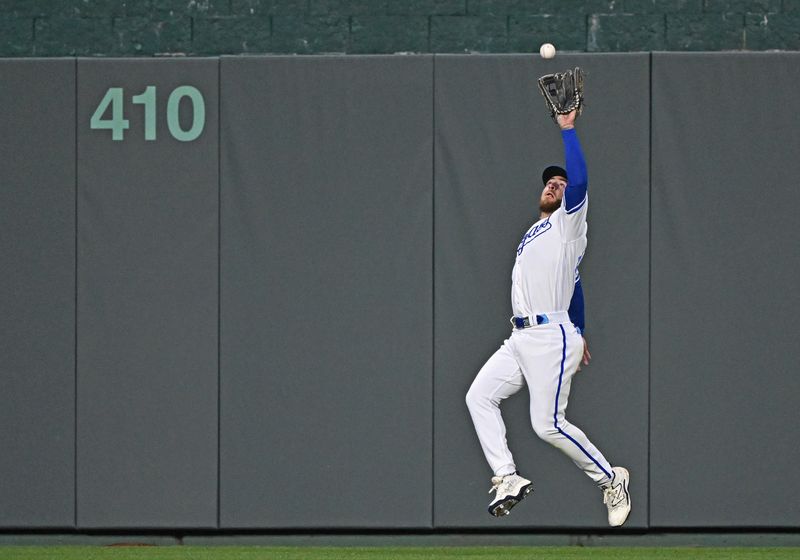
545 357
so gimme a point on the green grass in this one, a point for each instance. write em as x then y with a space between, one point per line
388 553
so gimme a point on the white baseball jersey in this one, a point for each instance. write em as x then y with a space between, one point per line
543 277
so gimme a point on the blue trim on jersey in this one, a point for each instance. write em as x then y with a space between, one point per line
578 207
578 183
555 412
575 311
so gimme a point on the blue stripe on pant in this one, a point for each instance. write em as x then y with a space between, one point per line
555 411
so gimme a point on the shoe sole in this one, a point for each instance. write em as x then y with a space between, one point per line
504 507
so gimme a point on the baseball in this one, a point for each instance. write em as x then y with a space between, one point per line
547 50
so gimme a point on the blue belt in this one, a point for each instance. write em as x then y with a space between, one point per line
525 322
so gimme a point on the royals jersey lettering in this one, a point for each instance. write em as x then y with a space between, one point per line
544 273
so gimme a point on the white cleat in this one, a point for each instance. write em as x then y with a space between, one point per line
510 489
617 498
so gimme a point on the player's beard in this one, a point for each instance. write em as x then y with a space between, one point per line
548 206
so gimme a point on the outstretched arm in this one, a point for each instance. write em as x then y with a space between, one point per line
574 200
575 194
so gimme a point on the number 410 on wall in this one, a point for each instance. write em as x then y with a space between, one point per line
118 124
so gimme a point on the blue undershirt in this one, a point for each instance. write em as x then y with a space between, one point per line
576 307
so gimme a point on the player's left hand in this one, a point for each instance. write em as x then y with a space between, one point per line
586 355
565 122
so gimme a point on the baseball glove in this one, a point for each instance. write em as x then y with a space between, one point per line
563 92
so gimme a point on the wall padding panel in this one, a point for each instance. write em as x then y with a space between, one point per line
326 292
725 300
148 300
37 293
493 138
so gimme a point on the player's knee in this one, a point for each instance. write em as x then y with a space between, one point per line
476 399
546 431
472 398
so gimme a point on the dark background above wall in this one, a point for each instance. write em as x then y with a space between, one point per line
213 27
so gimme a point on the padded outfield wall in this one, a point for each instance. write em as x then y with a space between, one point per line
267 276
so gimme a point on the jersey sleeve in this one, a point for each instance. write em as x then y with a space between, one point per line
576 314
576 195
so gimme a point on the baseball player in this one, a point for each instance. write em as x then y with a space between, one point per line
545 348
